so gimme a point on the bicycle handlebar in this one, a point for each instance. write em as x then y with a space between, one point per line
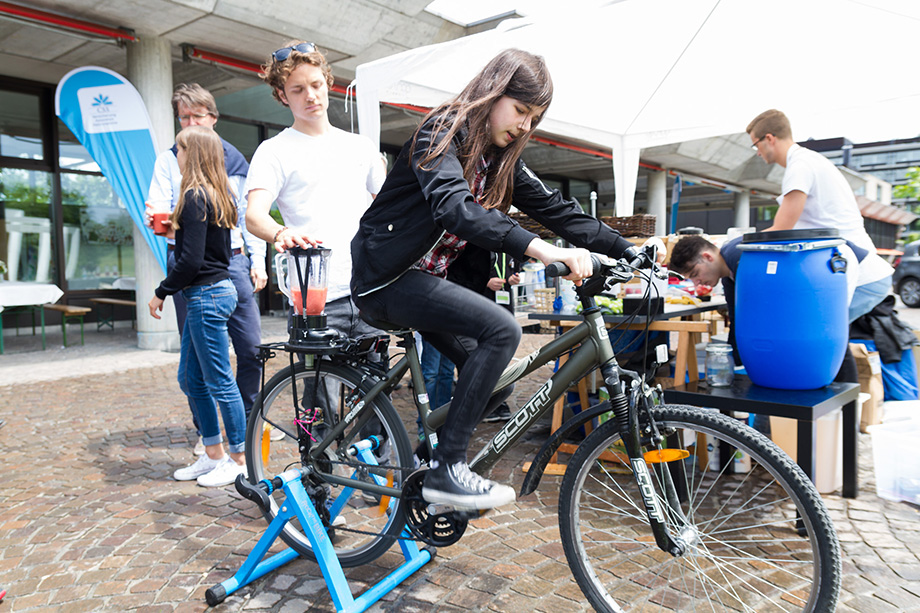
632 260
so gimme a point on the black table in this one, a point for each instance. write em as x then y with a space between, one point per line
803 405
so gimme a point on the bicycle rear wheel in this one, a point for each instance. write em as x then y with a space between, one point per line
341 388
744 549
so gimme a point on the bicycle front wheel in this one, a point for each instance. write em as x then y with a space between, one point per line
759 540
364 525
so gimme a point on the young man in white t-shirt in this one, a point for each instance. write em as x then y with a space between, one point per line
816 195
322 178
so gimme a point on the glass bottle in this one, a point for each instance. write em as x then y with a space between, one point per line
720 365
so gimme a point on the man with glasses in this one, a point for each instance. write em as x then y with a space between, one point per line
322 178
816 195
193 105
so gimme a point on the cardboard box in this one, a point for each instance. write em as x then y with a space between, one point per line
869 367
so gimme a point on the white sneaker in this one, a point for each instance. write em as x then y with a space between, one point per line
223 474
202 466
276 435
199 447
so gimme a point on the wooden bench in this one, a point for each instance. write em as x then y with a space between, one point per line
69 314
108 319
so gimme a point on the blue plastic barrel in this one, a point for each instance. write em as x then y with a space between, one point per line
791 308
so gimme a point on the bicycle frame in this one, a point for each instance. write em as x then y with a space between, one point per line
594 351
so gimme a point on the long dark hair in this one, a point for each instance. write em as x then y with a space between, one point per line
514 73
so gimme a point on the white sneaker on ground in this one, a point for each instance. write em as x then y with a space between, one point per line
202 466
223 474
199 447
276 435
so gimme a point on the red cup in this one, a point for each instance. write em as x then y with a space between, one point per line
159 228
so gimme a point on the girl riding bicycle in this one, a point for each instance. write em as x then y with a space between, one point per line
453 182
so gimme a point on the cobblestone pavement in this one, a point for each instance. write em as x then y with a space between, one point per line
91 519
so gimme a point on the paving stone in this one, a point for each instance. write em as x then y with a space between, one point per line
101 525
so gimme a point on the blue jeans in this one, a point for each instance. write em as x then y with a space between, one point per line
866 297
244 325
439 375
204 364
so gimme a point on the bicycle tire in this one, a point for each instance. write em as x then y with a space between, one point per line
746 552
266 458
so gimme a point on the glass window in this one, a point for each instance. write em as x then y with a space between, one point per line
581 191
26 232
20 126
71 154
98 234
243 136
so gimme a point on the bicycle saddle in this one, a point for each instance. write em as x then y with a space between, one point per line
379 323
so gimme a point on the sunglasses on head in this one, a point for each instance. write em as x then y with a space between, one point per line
285 52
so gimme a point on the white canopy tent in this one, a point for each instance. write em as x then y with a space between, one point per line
641 73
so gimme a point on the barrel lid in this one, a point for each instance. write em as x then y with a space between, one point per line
790 235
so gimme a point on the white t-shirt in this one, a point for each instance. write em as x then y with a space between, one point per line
322 185
830 203
165 185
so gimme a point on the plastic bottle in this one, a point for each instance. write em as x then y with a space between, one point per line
569 298
741 461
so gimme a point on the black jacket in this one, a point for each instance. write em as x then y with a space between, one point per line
416 206
889 333
202 249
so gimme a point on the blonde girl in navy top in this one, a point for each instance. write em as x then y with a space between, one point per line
202 221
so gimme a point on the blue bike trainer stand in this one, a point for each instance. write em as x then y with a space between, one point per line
298 504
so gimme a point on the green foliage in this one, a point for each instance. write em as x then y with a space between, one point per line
911 189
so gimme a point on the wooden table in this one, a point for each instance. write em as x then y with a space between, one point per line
806 406
673 319
29 297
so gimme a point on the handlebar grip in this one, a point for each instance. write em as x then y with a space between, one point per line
556 269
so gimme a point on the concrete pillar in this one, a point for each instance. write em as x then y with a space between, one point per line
742 209
150 71
658 200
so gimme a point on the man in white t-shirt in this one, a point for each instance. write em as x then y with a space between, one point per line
322 178
816 195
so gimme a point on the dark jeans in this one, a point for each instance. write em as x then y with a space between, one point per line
244 326
476 334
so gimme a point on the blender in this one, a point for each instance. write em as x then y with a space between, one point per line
305 283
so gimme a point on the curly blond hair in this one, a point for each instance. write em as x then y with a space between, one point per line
275 74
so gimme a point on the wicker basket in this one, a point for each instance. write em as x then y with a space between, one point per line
636 225
545 296
532 226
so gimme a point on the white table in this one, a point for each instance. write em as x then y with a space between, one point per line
27 297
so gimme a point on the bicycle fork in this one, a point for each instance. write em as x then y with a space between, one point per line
627 419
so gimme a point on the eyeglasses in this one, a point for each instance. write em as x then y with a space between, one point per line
757 142
198 116
284 53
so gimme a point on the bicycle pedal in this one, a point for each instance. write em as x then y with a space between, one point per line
458 512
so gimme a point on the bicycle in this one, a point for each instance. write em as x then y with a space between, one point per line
643 521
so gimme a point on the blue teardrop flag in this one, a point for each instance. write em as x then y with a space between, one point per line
109 118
